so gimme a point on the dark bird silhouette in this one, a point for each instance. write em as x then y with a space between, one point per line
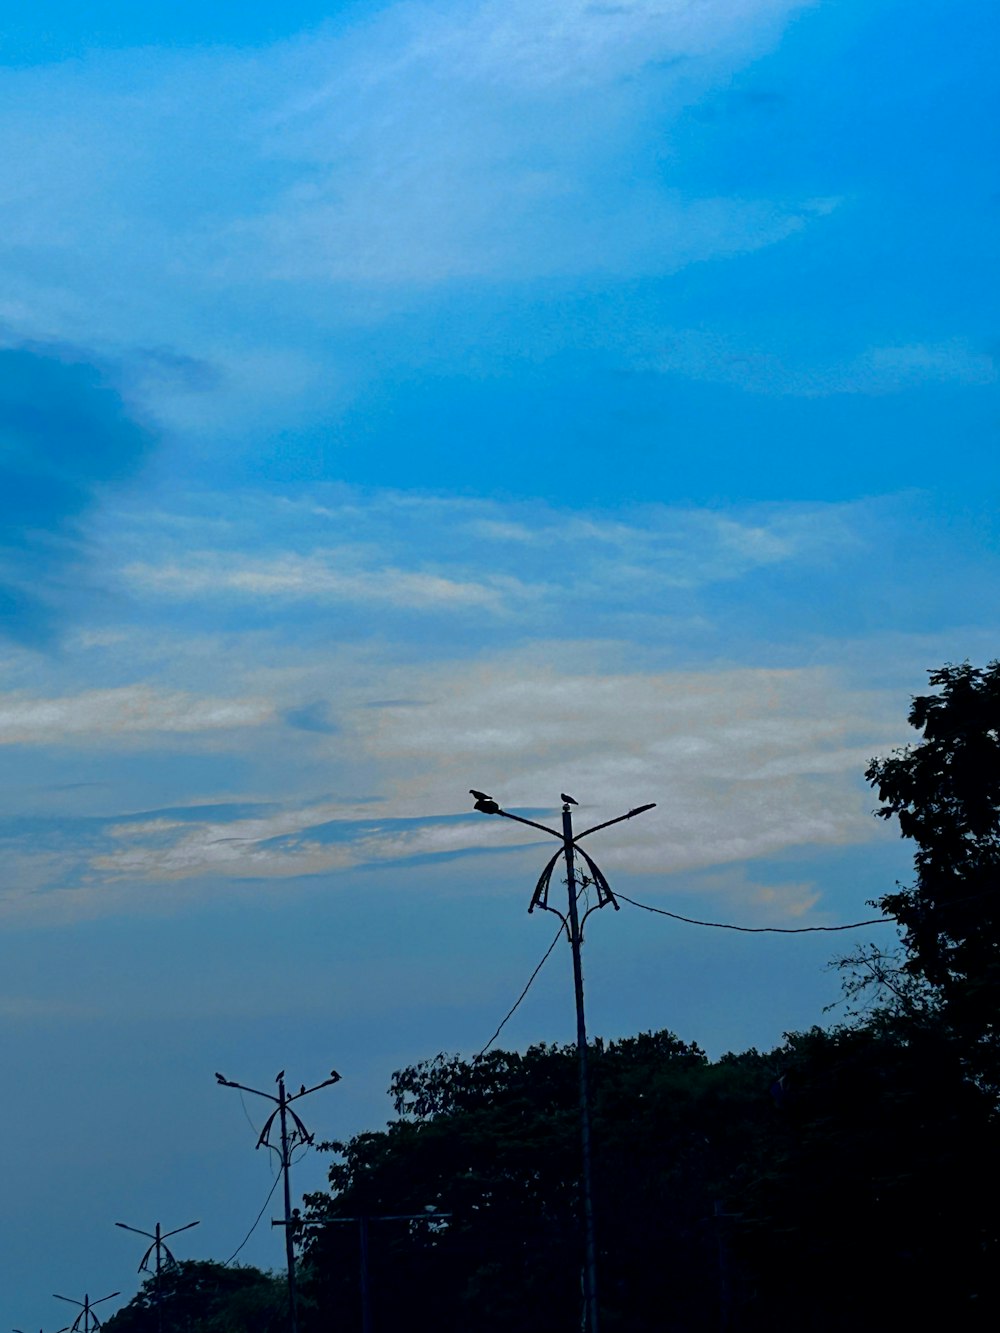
568 799
479 795
279 1077
488 807
302 1089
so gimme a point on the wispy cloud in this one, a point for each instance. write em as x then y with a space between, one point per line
742 764
429 144
105 716
428 553
454 142
320 576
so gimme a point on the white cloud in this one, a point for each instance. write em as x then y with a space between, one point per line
522 561
131 710
741 763
317 576
277 848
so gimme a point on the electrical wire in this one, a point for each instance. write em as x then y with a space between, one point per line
239 1247
758 930
256 1131
511 1011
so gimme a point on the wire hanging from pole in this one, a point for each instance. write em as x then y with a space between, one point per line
513 1009
758 930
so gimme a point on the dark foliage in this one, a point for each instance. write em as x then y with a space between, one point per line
205 1297
823 1186
873 1203
945 793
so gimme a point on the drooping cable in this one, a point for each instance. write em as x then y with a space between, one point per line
256 1223
757 930
511 1011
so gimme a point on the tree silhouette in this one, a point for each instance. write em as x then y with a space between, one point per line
945 793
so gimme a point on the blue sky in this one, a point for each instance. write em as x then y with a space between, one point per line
402 398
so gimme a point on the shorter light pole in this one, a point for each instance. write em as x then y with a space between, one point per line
90 1320
289 1141
430 1214
158 1238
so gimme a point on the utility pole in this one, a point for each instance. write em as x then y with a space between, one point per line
160 1247
298 1136
90 1320
430 1214
573 924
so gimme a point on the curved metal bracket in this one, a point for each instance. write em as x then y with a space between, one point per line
540 898
144 1263
303 1133
604 894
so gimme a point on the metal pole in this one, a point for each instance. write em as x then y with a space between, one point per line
289 1235
86 1310
159 1247
159 1294
366 1291
589 1239
487 805
299 1135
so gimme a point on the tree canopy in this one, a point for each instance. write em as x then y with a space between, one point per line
945 794
728 1192
199 1296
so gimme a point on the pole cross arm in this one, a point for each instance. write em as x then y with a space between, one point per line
434 1216
520 819
304 1092
594 828
228 1083
157 1237
631 814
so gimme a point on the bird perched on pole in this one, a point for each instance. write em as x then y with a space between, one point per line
567 800
484 802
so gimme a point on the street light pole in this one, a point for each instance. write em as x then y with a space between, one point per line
90 1320
299 1135
158 1247
286 1166
573 924
576 942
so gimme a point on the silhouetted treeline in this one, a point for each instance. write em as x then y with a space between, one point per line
843 1181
